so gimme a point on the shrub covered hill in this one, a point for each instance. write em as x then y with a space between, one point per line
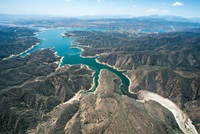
40 101
164 63
14 40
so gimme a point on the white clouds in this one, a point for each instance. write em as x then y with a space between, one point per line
152 10
177 4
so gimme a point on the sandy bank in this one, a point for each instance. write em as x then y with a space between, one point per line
59 62
80 47
182 119
12 55
63 35
109 65
28 49
93 83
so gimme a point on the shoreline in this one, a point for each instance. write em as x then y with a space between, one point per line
63 35
103 63
82 65
57 62
93 83
77 47
29 49
96 55
82 50
13 55
130 83
80 47
89 68
98 81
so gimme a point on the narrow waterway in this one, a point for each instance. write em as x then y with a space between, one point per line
53 39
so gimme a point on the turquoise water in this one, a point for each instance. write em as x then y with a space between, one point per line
53 39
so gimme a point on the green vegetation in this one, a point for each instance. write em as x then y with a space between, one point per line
15 40
176 49
32 88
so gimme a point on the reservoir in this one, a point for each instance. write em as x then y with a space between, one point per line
53 39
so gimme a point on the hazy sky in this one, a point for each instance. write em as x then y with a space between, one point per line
185 8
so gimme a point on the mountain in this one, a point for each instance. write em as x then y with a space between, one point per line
14 17
163 63
36 89
103 17
195 19
107 111
167 17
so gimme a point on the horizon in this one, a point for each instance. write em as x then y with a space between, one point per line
78 8
100 15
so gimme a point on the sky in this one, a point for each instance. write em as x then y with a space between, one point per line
73 8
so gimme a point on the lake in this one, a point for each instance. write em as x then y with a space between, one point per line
53 39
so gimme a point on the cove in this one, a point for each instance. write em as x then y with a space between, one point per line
53 39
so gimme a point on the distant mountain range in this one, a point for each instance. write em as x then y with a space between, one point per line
172 18
167 17
10 17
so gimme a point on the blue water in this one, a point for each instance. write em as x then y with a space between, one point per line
53 39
